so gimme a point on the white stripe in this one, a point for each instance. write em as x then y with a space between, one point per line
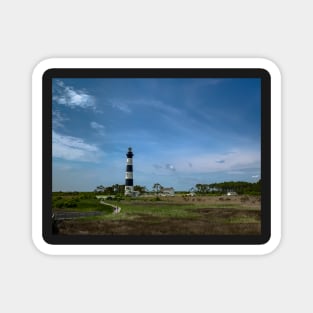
129 175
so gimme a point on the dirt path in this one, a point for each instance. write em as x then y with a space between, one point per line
116 209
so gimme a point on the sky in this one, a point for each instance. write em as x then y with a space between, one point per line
183 131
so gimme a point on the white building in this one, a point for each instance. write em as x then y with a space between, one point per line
168 191
231 193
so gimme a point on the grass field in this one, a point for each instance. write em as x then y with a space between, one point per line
178 215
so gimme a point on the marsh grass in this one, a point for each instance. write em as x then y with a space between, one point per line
169 215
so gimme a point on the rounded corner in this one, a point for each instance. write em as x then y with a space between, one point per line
42 67
270 67
271 245
41 245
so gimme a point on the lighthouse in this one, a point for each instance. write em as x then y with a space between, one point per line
129 181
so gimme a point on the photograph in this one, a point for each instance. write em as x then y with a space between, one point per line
156 156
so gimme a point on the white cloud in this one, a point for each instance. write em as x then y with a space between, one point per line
100 129
74 149
201 163
71 97
120 105
170 167
220 161
236 172
157 166
58 119
159 106
96 125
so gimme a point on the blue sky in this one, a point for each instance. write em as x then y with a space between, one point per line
182 131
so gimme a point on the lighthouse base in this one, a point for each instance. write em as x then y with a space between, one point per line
129 191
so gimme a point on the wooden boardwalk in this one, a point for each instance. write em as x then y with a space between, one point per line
73 215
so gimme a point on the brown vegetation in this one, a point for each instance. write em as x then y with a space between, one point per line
208 216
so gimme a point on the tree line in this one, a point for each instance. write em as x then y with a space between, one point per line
240 187
118 189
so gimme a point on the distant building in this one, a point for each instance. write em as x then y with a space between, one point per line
135 194
231 193
168 191
190 194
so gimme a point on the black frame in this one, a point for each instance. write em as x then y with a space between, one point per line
47 232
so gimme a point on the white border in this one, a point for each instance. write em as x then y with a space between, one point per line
156 249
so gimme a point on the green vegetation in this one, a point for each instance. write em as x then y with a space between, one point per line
170 207
205 209
157 188
79 202
178 215
240 187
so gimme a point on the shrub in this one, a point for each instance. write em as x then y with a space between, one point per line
156 199
58 204
244 199
72 203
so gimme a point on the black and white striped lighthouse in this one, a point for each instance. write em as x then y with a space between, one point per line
129 180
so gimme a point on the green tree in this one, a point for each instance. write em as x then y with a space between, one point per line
99 189
139 188
202 188
157 188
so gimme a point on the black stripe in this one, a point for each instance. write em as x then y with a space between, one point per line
129 168
129 182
